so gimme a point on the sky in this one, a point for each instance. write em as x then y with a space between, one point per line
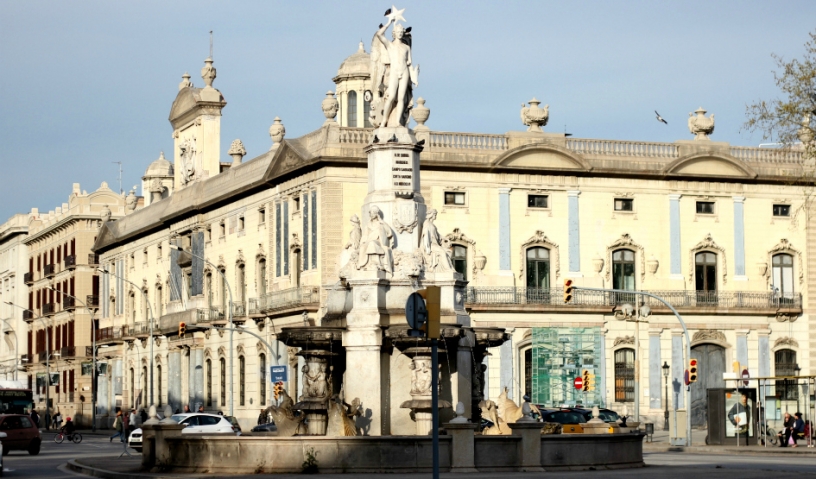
86 84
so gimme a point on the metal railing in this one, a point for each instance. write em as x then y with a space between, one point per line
49 308
28 278
678 299
208 315
28 315
68 303
70 261
239 309
26 359
43 354
283 299
50 270
140 329
109 333
92 300
93 259
68 352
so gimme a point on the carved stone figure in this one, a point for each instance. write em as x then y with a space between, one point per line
699 125
437 258
509 411
341 417
392 73
407 265
284 416
489 412
187 151
535 117
355 235
315 382
478 381
376 249
421 376
329 105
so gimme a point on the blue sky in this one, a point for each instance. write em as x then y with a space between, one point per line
86 84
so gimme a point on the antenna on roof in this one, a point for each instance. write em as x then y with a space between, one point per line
121 191
211 42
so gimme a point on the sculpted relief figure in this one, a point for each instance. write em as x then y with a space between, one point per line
188 151
315 385
420 378
284 416
392 73
436 256
375 251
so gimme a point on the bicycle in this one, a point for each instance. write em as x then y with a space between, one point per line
767 434
76 437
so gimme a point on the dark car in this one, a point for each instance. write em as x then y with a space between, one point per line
570 419
606 415
266 429
21 434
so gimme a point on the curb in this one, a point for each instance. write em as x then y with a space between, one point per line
78 468
715 450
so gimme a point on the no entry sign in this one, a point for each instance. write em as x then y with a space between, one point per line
578 383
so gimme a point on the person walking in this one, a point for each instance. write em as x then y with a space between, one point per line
58 420
118 426
132 421
35 417
143 415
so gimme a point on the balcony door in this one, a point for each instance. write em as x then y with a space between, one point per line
623 275
538 274
705 277
783 277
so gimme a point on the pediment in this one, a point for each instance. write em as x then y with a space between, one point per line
709 164
285 160
185 101
542 157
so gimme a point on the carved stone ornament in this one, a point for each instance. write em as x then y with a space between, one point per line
185 81
786 317
277 131
806 133
187 153
786 342
699 125
458 236
479 261
708 244
237 151
208 72
437 255
222 351
784 246
535 117
421 114
625 242
652 264
391 62
708 335
405 216
329 105
540 239
623 340
597 264
131 200
105 214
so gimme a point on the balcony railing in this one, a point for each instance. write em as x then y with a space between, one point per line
68 303
93 259
49 308
26 359
28 278
50 270
239 309
67 352
284 299
140 329
43 354
92 301
70 262
109 333
28 315
678 299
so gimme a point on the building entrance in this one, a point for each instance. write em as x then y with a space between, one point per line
710 368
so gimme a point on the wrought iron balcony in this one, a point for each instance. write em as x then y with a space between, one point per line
28 278
213 314
42 355
93 259
26 359
28 316
92 301
140 330
285 299
50 270
67 352
70 261
239 310
109 334
545 298
68 303
49 309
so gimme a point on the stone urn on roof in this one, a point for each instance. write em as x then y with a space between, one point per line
699 125
534 116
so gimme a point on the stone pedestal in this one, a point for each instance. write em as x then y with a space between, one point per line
596 426
530 452
462 449
155 453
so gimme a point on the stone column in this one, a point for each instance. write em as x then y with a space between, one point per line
739 239
464 372
574 230
655 370
530 445
174 379
742 349
504 229
678 367
674 237
506 367
764 356
196 378
462 446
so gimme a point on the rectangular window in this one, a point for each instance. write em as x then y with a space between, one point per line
262 216
538 201
295 204
781 210
240 223
456 199
624 204
705 207
223 229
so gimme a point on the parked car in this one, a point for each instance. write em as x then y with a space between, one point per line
197 423
3 437
135 439
266 429
570 419
607 415
21 434
235 426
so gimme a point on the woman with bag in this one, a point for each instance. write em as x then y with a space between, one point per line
786 432
119 426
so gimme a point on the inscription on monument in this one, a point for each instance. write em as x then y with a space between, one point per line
400 168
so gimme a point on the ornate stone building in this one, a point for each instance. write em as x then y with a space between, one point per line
718 230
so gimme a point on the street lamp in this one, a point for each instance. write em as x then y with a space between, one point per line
796 371
47 355
666 368
152 320
16 347
629 313
229 319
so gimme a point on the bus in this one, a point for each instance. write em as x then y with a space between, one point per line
14 398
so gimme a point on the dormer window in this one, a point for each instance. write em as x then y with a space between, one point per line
351 109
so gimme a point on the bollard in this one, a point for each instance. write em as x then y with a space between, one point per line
649 431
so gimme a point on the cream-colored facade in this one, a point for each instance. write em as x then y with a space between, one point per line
718 230
62 297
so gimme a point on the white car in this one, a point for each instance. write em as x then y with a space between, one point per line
2 436
197 423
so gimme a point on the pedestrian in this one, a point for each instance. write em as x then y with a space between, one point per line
125 423
132 421
58 420
35 417
143 415
201 408
69 428
798 428
262 417
118 426
187 409
787 430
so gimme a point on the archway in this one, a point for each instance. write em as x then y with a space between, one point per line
710 368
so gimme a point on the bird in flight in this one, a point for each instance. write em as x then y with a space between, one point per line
660 118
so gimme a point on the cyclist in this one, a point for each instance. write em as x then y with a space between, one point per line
69 427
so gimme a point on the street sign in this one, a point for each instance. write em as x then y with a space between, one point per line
279 373
745 376
416 314
578 383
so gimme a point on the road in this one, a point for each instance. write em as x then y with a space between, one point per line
664 465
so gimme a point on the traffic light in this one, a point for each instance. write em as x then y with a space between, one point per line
568 290
692 378
182 329
278 390
432 297
585 378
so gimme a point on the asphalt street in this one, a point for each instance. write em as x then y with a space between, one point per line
659 464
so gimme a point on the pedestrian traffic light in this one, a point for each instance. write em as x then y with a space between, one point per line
568 290
182 329
692 377
432 296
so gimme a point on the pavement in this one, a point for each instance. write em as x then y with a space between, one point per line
660 442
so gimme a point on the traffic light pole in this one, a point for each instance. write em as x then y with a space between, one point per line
686 395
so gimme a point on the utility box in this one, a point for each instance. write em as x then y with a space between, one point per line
677 428
732 416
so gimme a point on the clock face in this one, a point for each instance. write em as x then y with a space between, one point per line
367 95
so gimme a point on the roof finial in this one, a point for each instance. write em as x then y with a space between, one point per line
211 43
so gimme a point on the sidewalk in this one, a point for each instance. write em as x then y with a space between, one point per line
660 443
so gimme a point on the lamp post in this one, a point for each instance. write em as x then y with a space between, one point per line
796 371
151 319
630 314
47 355
93 353
229 319
666 368
16 347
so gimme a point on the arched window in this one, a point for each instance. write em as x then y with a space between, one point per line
625 375
223 291
159 385
538 268
352 109
261 277
783 276
785 365
241 286
144 386
366 111
132 307
241 380
460 260
209 383
145 311
223 378
705 271
262 361
623 274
